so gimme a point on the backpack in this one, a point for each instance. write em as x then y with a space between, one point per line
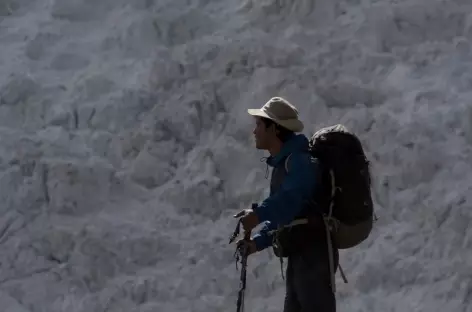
350 213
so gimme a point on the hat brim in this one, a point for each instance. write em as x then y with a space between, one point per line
294 125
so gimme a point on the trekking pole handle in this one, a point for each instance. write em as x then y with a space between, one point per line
235 234
247 234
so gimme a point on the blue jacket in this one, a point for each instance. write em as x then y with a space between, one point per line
281 207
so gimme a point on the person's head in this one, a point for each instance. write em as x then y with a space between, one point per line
276 121
268 133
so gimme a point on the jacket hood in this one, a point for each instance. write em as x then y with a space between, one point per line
296 143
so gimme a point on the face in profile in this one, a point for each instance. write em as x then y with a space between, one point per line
262 134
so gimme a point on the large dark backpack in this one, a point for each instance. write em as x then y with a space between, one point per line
349 207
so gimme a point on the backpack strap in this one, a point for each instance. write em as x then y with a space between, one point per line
332 224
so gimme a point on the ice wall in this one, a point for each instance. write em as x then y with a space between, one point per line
125 147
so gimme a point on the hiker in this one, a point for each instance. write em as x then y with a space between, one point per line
296 177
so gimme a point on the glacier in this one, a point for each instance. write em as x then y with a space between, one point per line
125 147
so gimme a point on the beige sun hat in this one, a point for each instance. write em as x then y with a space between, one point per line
281 112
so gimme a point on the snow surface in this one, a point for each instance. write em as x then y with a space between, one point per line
125 147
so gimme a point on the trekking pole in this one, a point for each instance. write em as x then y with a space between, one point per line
243 252
242 286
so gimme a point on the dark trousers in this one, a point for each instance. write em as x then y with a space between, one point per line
308 283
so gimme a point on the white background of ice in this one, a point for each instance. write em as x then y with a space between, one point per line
125 147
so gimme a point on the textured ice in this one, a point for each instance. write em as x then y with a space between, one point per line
125 147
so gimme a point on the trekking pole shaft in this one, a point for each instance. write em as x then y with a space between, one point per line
242 288
244 256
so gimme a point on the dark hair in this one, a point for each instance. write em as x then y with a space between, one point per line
282 133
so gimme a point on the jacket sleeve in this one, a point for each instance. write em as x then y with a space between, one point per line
298 186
